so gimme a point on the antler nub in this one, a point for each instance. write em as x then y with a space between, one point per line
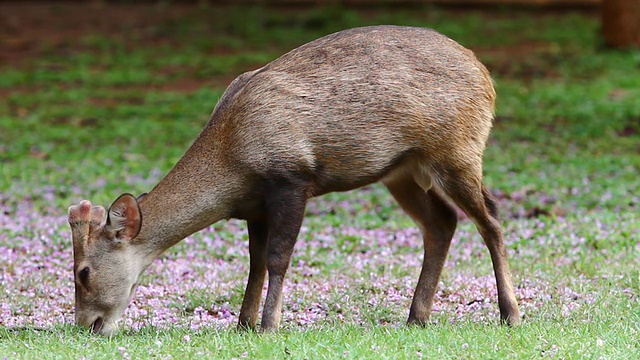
84 219
79 217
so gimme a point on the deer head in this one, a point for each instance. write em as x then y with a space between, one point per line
107 262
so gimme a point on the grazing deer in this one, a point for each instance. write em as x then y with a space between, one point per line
405 106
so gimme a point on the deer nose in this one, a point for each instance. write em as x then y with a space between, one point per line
82 320
90 321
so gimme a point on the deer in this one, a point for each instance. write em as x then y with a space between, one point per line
404 106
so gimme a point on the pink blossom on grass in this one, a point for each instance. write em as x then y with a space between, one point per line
346 273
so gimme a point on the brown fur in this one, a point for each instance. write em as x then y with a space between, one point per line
405 106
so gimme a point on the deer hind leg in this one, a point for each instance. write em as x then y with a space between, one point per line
437 220
464 186
257 272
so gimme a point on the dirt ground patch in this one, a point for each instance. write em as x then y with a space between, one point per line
29 29
33 30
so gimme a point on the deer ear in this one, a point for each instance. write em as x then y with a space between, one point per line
124 218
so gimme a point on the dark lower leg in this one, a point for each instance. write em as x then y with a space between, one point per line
437 221
477 202
253 293
439 224
509 312
285 211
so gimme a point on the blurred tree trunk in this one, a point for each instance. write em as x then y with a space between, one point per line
621 23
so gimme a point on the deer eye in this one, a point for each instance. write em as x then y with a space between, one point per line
83 275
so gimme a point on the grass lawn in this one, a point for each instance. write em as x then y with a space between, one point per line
109 104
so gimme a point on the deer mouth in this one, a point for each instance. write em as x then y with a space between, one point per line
97 325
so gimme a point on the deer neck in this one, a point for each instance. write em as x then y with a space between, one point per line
195 194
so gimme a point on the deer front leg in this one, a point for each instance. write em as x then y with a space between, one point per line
285 211
257 272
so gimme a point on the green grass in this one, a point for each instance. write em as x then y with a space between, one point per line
601 337
112 117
